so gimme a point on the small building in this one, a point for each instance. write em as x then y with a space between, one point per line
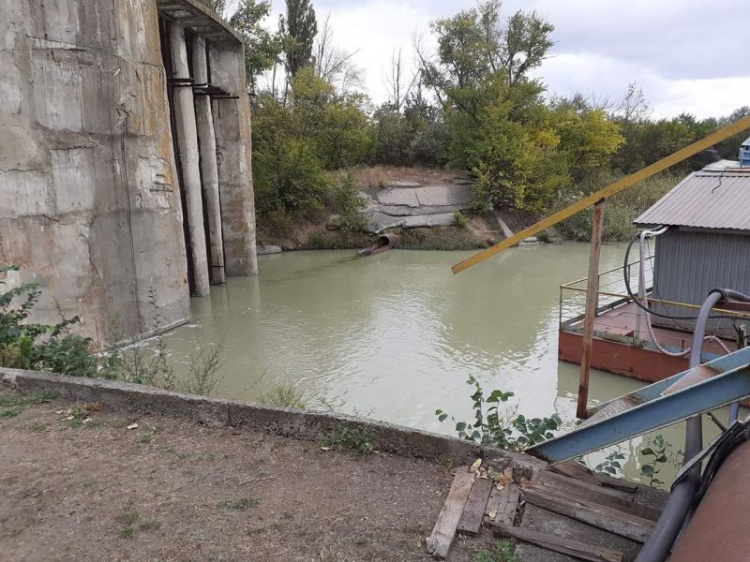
125 159
707 244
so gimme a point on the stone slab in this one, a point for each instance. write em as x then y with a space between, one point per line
269 249
436 195
406 197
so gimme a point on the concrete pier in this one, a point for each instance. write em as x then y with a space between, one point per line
233 143
187 142
208 165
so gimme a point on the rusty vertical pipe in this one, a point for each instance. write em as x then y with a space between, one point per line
592 302
208 164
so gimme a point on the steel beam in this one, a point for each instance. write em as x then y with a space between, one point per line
730 384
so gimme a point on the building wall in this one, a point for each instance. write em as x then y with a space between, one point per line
688 264
89 202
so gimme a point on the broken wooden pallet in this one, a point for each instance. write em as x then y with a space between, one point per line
502 506
577 471
569 547
471 519
598 494
602 516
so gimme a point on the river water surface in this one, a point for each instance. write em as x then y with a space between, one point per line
394 336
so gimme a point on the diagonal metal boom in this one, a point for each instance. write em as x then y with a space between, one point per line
655 408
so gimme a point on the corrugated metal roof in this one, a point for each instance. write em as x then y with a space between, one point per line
704 200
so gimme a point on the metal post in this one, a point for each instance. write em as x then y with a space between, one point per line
592 302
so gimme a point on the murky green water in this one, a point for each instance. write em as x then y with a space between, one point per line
394 336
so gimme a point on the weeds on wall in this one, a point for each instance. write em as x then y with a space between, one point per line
53 348
501 429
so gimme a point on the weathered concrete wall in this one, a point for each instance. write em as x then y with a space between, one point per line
234 154
88 191
312 426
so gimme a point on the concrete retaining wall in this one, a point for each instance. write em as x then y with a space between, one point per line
312 426
89 198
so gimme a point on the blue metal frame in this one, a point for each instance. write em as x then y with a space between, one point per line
730 384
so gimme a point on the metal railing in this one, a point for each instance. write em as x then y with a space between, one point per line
614 296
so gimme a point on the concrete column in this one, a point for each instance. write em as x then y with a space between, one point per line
208 166
187 143
234 157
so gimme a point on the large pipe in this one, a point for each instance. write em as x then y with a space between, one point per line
187 144
718 529
208 164
670 522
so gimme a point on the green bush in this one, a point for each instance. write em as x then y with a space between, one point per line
496 428
619 211
41 347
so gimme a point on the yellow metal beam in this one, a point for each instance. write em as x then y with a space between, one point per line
609 191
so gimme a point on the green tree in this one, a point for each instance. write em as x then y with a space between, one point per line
262 48
299 29
588 137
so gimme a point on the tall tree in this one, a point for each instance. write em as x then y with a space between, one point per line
299 28
262 48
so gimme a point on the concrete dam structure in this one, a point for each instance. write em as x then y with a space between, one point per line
125 159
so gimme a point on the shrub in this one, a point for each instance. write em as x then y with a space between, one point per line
41 347
504 430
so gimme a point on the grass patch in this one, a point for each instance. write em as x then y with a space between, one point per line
500 553
127 533
244 503
358 439
12 405
284 395
128 518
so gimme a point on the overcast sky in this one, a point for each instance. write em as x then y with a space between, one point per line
686 55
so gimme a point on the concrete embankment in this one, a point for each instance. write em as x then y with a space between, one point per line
217 412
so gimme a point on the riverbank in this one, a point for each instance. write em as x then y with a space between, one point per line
432 209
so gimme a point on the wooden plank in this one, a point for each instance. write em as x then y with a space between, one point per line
592 303
471 520
554 479
617 483
618 522
510 497
573 469
609 191
503 505
439 542
598 496
569 547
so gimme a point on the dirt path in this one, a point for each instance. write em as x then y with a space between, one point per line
73 490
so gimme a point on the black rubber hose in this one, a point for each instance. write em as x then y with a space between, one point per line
637 302
659 543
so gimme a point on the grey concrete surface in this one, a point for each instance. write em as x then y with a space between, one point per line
89 197
89 201
414 207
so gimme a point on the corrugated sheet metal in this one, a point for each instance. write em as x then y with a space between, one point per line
704 200
689 264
